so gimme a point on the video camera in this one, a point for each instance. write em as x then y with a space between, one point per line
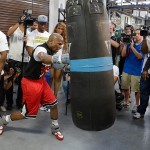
127 37
28 19
145 31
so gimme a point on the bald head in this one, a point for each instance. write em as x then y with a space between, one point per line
55 41
55 37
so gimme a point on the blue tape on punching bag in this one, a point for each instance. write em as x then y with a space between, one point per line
92 86
91 64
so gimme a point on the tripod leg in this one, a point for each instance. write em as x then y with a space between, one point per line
67 100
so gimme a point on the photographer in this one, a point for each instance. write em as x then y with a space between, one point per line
145 81
16 39
128 31
132 68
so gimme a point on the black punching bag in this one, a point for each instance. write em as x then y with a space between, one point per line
92 88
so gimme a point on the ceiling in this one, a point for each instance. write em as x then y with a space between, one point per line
136 8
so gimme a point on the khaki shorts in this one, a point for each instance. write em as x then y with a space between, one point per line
128 80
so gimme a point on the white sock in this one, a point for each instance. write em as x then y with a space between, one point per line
8 119
55 122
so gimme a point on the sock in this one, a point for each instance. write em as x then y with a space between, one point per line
7 117
55 122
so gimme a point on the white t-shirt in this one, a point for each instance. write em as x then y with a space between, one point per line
36 38
116 73
3 42
3 45
16 46
38 50
147 55
35 55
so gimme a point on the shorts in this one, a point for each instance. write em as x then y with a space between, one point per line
36 92
128 80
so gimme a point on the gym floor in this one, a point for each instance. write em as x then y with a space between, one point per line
34 134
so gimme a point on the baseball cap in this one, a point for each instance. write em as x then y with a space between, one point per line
42 18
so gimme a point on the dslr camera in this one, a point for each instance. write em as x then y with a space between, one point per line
145 31
127 37
28 19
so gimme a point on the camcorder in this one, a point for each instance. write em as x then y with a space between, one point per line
28 19
145 31
127 38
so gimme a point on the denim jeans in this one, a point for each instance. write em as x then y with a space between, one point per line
144 95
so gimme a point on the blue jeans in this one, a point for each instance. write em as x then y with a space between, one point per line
144 95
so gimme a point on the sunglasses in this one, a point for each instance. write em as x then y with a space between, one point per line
42 23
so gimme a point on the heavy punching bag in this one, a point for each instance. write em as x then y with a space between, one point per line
92 88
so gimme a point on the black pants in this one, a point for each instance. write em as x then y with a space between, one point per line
2 95
17 66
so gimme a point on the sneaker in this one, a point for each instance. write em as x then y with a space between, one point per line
45 108
138 115
56 131
2 108
48 110
3 120
134 109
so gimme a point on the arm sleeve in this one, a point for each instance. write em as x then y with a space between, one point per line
38 50
3 42
115 71
148 43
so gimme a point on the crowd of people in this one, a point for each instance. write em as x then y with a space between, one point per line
133 52
43 51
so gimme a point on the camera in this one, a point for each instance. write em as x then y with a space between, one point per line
17 70
28 19
127 37
114 38
145 31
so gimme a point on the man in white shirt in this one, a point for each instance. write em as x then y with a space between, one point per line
3 55
38 36
16 39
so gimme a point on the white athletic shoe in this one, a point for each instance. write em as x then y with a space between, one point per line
138 115
44 108
2 108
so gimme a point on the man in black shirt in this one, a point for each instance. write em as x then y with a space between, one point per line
36 90
145 81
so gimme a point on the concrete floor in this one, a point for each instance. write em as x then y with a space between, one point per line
125 134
